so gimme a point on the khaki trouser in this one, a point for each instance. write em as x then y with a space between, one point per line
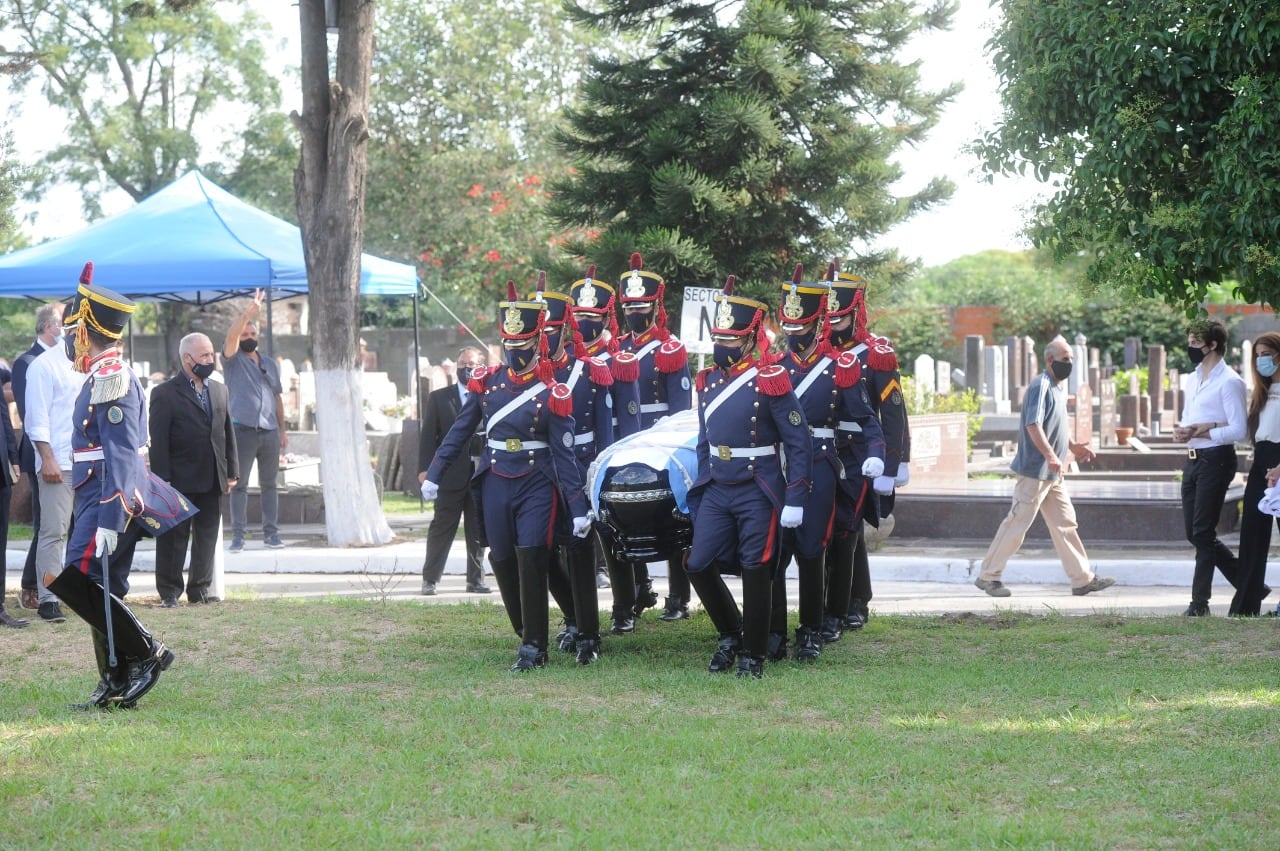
1051 500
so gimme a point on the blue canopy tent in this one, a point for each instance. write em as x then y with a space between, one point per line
190 242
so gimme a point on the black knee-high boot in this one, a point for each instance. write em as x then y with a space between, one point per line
506 573
839 566
676 606
860 590
809 632
724 613
113 681
778 612
533 564
586 600
646 598
561 587
757 606
145 657
622 581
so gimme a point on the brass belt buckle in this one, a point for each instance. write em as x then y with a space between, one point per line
724 452
1191 453
513 444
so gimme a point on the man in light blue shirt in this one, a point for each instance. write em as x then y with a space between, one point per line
1044 448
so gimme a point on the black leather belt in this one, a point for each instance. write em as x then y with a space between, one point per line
1209 451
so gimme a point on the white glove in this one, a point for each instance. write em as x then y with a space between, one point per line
1270 504
581 527
883 485
792 516
104 541
904 475
872 467
429 489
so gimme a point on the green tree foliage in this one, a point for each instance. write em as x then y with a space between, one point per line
465 100
10 176
1157 119
140 83
742 137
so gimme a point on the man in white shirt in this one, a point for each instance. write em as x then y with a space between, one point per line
1214 417
52 387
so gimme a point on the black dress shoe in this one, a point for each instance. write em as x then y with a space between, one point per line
623 625
675 609
144 674
727 651
1197 610
832 629
646 598
776 649
10 621
111 687
587 650
749 668
567 639
529 657
808 644
428 589
479 588
171 603
858 614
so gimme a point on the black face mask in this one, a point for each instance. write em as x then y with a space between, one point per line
839 337
519 359
464 374
69 346
639 322
726 356
553 341
1196 354
1061 369
201 370
249 345
590 329
800 343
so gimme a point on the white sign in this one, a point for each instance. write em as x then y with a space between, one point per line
696 315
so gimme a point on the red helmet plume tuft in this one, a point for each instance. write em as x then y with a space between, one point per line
832 268
86 276
636 262
591 271
512 295
728 284
798 276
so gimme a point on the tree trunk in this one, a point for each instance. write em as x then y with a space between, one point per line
329 186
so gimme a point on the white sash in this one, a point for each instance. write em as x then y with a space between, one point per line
575 374
536 388
812 376
729 391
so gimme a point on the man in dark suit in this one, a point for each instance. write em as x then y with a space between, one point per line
455 499
193 448
48 334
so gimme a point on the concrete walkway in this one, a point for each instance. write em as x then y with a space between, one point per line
909 576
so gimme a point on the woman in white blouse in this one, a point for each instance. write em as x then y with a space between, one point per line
1264 432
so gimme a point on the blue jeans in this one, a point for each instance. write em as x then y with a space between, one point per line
261 445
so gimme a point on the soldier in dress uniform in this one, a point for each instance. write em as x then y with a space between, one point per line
747 414
593 309
847 321
528 459
117 500
834 401
589 380
659 363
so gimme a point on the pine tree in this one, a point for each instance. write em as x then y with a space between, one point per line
743 137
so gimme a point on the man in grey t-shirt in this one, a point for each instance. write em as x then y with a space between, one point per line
1044 447
257 415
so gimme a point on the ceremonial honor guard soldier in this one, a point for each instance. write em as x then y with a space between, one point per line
658 362
527 418
834 401
847 320
117 500
747 414
589 381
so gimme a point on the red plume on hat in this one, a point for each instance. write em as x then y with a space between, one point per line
728 284
512 295
637 262
542 283
797 277
86 275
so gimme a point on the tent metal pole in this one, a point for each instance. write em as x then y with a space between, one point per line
417 379
271 337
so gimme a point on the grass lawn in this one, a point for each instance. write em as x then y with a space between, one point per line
376 724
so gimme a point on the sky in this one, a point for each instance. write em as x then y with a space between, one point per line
979 216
